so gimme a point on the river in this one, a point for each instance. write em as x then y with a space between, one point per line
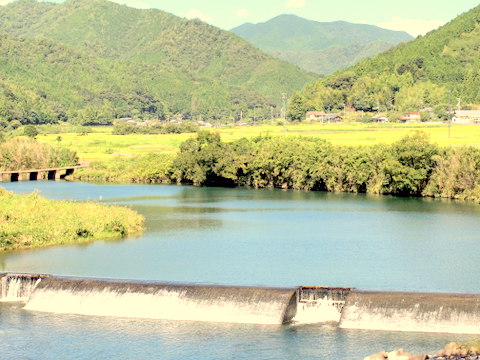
247 237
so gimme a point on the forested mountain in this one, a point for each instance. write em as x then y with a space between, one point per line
436 70
76 58
321 47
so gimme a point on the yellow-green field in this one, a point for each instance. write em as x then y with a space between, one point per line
104 145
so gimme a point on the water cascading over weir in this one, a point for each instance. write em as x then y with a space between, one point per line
18 287
348 308
153 300
407 311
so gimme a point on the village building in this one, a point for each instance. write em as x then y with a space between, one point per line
466 117
315 115
332 118
379 119
207 124
411 117
322 116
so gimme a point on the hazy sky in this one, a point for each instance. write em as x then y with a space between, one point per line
414 16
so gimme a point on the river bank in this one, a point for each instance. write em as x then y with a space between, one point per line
29 221
410 167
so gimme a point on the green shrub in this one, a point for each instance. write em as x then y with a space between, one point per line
33 221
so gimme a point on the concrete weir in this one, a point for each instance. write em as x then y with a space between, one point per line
154 300
417 312
345 307
18 287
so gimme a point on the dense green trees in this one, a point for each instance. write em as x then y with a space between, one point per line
90 61
322 48
412 166
456 174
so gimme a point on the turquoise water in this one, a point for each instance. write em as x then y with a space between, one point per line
247 237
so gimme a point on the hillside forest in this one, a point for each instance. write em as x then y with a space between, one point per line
91 61
435 72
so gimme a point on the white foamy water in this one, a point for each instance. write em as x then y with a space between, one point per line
411 320
214 304
442 313
389 311
320 311
17 287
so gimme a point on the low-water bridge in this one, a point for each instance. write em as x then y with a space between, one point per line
39 174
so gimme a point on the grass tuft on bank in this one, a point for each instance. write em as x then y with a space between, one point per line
28 221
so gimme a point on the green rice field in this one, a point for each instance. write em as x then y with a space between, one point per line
102 145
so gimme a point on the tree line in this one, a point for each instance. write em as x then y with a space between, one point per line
412 166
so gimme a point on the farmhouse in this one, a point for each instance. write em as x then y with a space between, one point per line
322 116
410 117
379 119
332 118
315 115
466 117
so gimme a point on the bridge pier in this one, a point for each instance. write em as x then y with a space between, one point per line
52 175
33 176
24 176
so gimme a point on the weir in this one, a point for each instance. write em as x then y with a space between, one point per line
18 287
318 304
418 312
251 305
346 307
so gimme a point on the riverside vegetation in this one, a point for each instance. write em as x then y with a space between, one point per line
32 221
26 153
411 166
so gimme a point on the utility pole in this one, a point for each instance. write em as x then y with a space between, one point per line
241 123
450 115
284 113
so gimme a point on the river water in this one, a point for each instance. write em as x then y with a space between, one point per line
247 237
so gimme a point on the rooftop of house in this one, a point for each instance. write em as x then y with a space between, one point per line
467 113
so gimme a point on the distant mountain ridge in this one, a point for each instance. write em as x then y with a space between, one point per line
321 47
433 72
188 66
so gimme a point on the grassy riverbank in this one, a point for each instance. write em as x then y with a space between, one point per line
28 221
